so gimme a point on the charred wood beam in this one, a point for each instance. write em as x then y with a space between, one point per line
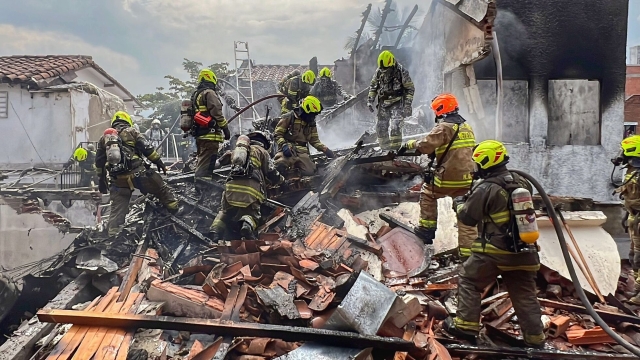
181 224
405 26
529 353
229 328
365 17
394 223
385 12
605 315
194 203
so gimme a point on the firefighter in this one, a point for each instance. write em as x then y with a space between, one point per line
496 251
130 172
155 135
328 91
208 138
245 189
85 159
629 191
295 87
294 132
394 89
451 144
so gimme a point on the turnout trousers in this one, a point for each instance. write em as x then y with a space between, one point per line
207 151
389 126
429 195
148 182
518 272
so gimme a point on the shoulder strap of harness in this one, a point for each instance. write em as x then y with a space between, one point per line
446 151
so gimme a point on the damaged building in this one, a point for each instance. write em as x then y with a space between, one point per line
337 271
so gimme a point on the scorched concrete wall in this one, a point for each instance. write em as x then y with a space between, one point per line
25 238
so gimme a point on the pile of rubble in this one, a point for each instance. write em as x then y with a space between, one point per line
319 283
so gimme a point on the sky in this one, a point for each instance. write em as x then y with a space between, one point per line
140 41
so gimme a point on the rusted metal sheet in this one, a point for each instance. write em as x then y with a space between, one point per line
404 253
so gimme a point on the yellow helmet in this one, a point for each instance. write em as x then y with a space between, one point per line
386 59
631 146
121 115
490 153
207 75
311 105
80 154
325 72
309 77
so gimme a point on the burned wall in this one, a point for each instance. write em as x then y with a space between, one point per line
571 55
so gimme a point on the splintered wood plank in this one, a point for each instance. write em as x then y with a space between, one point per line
89 338
109 351
102 335
74 336
110 333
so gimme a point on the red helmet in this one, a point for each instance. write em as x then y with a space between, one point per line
444 104
110 131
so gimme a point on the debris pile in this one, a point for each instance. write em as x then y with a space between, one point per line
318 283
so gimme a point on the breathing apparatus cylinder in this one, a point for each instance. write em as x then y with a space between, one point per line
112 143
186 116
527 224
241 152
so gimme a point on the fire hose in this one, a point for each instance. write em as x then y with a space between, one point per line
574 277
254 103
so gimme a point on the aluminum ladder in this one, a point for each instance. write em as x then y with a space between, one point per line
244 82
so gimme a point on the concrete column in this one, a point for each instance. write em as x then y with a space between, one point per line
538 111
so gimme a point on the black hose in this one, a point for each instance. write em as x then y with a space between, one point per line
254 103
574 277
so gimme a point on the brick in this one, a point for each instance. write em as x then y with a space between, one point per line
559 325
588 337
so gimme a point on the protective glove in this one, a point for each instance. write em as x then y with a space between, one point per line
407 111
286 151
227 133
67 165
330 154
409 145
161 167
458 202
102 185
370 106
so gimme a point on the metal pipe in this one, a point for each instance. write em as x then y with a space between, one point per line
499 93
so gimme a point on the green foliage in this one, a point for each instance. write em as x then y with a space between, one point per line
166 102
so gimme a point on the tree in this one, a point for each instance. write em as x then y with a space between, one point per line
166 102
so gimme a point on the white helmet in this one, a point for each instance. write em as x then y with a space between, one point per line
155 121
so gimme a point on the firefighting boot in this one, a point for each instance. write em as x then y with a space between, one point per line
215 236
535 341
247 231
426 234
449 326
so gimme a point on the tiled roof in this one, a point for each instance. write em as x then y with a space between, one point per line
40 68
20 68
277 72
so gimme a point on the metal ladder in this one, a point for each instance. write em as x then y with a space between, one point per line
244 84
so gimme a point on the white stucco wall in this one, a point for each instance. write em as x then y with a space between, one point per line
48 122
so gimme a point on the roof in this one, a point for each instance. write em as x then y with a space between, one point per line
16 69
277 72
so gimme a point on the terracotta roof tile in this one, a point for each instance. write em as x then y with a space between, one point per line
277 72
19 68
